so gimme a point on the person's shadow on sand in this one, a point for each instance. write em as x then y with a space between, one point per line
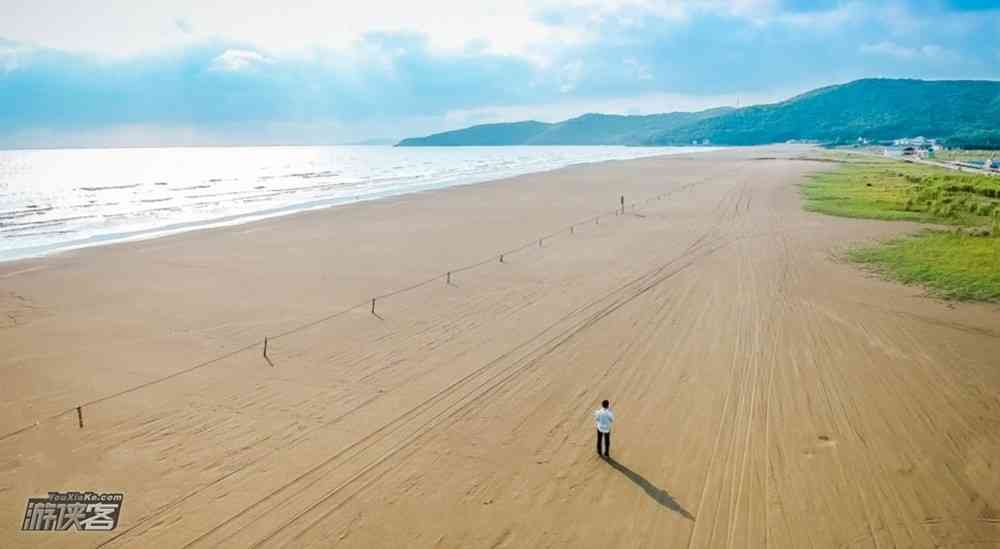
660 495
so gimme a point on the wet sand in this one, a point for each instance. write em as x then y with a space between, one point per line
766 394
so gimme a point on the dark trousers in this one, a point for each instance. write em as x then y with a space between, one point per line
607 443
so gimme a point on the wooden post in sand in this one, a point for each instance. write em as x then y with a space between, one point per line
373 305
570 229
501 258
265 346
448 279
79 415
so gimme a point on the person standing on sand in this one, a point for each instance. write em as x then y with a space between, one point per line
604 417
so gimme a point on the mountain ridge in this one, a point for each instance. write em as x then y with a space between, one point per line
960 112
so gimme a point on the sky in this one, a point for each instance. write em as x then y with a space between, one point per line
190 72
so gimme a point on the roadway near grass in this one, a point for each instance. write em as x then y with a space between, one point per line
964 155
951 264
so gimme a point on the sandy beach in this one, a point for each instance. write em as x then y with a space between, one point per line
766 394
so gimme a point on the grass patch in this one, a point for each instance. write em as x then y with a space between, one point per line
900 191
965 155
951 265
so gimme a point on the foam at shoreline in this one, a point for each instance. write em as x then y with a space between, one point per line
58 200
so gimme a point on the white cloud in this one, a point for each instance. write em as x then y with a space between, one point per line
933 51
183 25
236 60
639 70
8 59
570 75
891 49
122 28
10 56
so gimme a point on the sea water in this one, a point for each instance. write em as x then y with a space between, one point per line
52 200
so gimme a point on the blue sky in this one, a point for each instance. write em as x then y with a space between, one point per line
242 72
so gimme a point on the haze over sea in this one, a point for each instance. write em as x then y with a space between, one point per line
53 200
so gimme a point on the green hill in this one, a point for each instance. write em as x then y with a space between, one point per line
613 129
512 133
965 113
589 129
875 109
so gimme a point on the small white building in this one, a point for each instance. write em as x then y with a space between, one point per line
918 141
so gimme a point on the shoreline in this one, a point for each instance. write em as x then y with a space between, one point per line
47 250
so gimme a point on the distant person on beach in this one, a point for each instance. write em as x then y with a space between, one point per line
604 417
622 200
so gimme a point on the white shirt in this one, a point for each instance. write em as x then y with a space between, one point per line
604 417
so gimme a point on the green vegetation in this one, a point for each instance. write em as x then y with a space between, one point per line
963 113
981 138
875 109
487 134
884 189
966 155
952 264
589 129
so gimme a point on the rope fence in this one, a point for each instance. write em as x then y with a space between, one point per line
447 277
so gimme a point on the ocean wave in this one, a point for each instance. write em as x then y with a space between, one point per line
313 175
14 214
41 233
191 188
92 204
142 213
211 195
391 178
286 190
110 187
55 211
30 225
